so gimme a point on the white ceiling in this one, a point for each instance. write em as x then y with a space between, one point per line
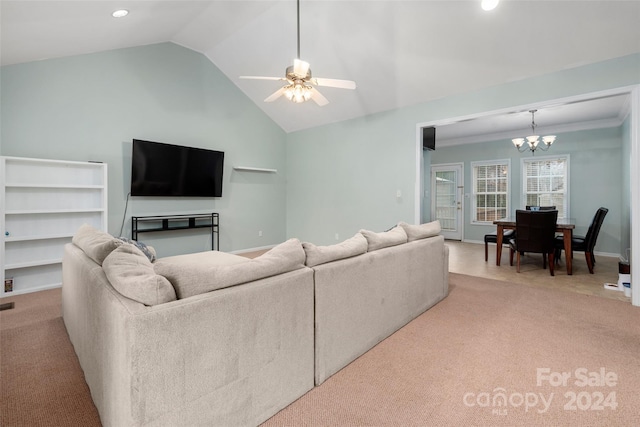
595 113
399 53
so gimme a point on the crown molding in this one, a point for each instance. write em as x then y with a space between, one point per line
508 135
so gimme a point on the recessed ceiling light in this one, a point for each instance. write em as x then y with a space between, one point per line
120 13
489 4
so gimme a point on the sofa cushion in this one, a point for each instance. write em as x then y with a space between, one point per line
192 277
195 260
421 231
95 243
393 237
131 273
317 255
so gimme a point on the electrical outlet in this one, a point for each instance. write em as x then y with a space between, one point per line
8 285
337 236
260 233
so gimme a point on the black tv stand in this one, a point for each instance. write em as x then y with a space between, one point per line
178 222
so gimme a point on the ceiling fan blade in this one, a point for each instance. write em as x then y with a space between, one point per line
318 97
342 84
300 68
262 78
275 95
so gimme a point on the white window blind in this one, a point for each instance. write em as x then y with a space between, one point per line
490 191
545 183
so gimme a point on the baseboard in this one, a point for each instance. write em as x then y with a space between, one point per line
597 253
478 242
609 254
30 290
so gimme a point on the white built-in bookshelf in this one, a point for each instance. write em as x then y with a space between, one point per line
43 203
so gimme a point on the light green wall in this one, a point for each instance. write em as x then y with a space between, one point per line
595 179
334 179
344 176
90 107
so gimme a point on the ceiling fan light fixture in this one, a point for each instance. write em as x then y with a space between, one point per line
299 87
300 69
297 92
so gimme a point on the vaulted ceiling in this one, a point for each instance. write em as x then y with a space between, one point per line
399 53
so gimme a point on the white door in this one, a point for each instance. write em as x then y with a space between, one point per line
447 191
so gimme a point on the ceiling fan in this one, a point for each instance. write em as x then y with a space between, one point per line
300 85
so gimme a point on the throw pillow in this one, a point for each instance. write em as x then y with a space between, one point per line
421 231
149 251
393 237
131 273
316 255
95 243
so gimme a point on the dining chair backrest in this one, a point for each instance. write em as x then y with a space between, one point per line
594 229
540 208
535 231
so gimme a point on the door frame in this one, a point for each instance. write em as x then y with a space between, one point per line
458 167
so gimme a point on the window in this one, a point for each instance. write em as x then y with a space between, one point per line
545 182
490 191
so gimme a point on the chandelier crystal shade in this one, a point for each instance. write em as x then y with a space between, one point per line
532 142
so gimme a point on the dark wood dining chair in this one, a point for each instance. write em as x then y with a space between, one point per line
535 233
587 242
540 208
493 238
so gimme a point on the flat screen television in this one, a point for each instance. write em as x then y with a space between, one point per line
167 170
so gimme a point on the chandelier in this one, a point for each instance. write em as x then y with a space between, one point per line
533 141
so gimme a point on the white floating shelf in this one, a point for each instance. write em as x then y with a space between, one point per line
249 169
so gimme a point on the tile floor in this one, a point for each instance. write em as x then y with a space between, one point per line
468 258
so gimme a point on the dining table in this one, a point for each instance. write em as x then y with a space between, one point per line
563 225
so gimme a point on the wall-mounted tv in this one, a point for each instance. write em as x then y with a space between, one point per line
167 170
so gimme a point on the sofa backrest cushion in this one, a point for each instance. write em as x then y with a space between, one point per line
421 231
393 237
317 255
131 273
205 277
95 243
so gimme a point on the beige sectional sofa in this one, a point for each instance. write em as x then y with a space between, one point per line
218 339
362 300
